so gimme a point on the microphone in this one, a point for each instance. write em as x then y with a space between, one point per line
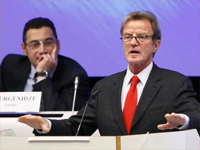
94 94
76 82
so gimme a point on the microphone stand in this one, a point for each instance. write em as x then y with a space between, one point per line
92 96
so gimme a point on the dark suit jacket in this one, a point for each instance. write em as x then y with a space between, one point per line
57 93
165 92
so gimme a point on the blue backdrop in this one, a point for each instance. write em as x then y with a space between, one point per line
89 31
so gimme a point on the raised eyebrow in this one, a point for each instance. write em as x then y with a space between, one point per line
39 41
127 33
34 41
141 33
48 39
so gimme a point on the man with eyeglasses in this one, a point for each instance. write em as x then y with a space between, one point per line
143 98
42 69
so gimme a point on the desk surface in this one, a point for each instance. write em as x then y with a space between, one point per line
182 140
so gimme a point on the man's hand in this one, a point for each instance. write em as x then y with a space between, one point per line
36 122
48 61
173 121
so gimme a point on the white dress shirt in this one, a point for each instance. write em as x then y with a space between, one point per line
143 76
30 81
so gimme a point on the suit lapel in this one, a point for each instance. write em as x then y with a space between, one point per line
24 70
150 90
115 97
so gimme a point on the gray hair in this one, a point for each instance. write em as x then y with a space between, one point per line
140 15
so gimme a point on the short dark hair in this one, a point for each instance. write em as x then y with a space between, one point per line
139 15
37 23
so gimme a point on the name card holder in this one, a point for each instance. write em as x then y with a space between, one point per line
20 101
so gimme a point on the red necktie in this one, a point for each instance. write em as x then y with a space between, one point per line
130 104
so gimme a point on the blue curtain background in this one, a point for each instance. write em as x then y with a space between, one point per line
89 31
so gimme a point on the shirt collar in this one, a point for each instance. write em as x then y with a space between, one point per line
143 75
33 71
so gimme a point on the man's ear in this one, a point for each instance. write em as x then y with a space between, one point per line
58 45
24 49
156 45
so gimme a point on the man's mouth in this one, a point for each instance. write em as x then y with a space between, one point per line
134 52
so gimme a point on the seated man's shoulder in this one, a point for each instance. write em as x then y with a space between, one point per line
69 63
66 59
15 57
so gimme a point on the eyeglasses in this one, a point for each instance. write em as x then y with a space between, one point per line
48 43
139 37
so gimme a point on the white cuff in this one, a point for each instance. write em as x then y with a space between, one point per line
186 124
40 131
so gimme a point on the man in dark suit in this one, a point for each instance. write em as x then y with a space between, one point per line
165 99
42 69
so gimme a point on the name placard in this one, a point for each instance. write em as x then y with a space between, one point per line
20 101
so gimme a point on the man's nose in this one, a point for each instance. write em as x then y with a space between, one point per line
42 48
134 41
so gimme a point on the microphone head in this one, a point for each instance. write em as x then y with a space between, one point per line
76 80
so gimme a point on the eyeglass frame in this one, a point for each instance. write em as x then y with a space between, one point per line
32 42
146 36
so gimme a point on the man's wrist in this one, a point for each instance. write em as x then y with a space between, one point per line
44 73
41 75
49 127
186 124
